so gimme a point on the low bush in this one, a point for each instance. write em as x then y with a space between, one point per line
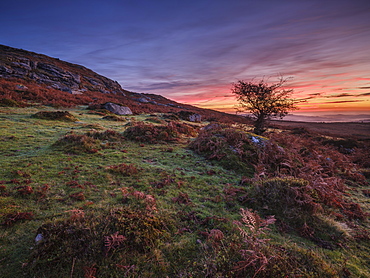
6 102
150 133
232 148
55 115
101 242
77 144
289 199
114 118
107 135
123 169
90 142
325 169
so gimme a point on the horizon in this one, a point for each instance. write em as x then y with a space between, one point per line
327 117
193 52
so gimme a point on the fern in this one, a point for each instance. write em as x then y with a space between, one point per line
252 228
113 241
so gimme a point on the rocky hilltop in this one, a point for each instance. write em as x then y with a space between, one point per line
27 77
60 75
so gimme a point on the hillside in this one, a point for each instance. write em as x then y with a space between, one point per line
28 77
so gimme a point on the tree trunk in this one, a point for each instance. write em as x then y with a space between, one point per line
259 125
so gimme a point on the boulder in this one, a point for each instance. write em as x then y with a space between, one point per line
117 109
190 116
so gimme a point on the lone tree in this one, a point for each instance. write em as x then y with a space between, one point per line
264 101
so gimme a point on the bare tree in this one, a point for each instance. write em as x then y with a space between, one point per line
264 101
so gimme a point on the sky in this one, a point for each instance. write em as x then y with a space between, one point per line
193 51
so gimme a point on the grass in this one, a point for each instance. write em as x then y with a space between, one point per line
156 208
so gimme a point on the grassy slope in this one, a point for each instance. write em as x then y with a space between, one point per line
165 171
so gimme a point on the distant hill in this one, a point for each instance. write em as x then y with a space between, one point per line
28 77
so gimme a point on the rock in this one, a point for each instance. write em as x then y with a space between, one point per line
38 238
117 109
21 87
5 71
189 116
143 100
211 126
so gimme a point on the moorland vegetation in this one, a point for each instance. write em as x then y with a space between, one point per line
151 195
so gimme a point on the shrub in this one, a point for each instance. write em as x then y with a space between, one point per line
55 115
107 135
123 169
150 133
103 239
288 198
325 169
114 118
77 144
89 142
6 102
232 148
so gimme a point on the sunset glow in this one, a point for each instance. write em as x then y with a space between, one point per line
192 51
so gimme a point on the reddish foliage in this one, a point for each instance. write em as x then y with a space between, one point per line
89 271
79 196
324 167
124 169
149 200
215 236
74 184
165 182
113 241
42 190
25 190
3 191
232 193
11 218
21 174
183 198
76 214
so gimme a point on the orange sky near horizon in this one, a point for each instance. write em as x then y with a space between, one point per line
325 97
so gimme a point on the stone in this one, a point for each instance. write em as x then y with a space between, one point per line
143 100
190 116
39 238
117 109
